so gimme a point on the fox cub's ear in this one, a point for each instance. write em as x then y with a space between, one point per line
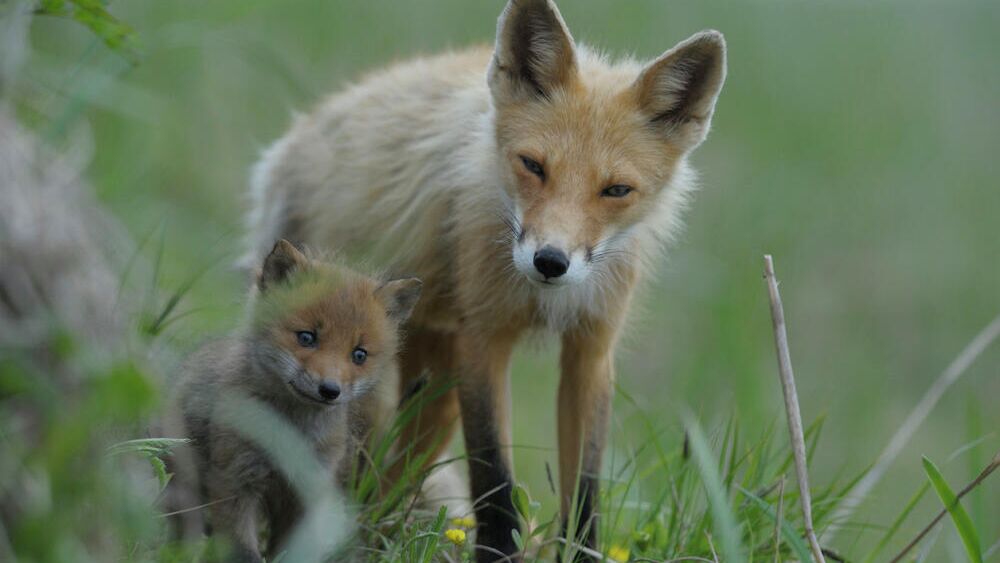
534 51
280 263
399 297
679 89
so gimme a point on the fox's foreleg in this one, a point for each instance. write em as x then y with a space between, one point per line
585 391
484 361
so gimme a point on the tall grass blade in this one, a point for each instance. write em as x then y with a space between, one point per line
959 517
724 521
430 547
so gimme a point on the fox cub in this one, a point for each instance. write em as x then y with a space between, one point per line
318 341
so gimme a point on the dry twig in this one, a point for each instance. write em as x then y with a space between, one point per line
791 406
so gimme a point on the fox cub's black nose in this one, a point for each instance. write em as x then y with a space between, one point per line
551 262
329 390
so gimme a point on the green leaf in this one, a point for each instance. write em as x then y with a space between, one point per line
959 517
516 536
147 446
92 14
522 501
541 528
160 470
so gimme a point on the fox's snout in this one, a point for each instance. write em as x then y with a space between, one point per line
315 389
328 390
551 262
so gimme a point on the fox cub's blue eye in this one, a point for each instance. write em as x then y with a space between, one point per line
617 190
359 355
306 338
534 167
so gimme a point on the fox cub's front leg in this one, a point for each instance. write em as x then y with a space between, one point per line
234 487
483 361
235 522
585 390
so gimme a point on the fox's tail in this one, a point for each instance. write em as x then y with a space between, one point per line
269 211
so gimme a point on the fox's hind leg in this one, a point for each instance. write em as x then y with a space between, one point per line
426 371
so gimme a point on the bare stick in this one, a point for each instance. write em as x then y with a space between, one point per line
791 406
948 377
975 483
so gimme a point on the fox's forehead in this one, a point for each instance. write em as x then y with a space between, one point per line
345 308
340 310
593 129
338 303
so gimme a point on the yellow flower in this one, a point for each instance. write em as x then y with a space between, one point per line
618 553
455 536
466 522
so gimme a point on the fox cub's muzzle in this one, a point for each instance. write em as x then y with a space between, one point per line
316 390
328 390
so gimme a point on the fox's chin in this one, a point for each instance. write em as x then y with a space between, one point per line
546 284
550 284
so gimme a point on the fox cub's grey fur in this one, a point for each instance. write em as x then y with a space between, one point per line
318 341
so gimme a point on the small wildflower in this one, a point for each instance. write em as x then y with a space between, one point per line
466 522
618 553
455 536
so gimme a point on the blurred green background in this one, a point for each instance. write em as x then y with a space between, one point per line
855 141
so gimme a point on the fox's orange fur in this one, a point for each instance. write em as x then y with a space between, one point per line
529 186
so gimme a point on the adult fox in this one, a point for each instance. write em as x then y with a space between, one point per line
529 186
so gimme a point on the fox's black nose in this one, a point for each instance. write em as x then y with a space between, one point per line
329 390
551 262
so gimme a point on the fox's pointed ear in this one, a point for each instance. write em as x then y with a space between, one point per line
678 90
280 263
399 297
534 52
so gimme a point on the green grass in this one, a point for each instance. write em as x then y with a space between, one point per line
702 497
963 524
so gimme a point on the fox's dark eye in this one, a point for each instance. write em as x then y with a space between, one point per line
534 167
306 338
359 355
618 190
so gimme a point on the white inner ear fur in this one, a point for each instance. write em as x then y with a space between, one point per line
680 88
534 50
